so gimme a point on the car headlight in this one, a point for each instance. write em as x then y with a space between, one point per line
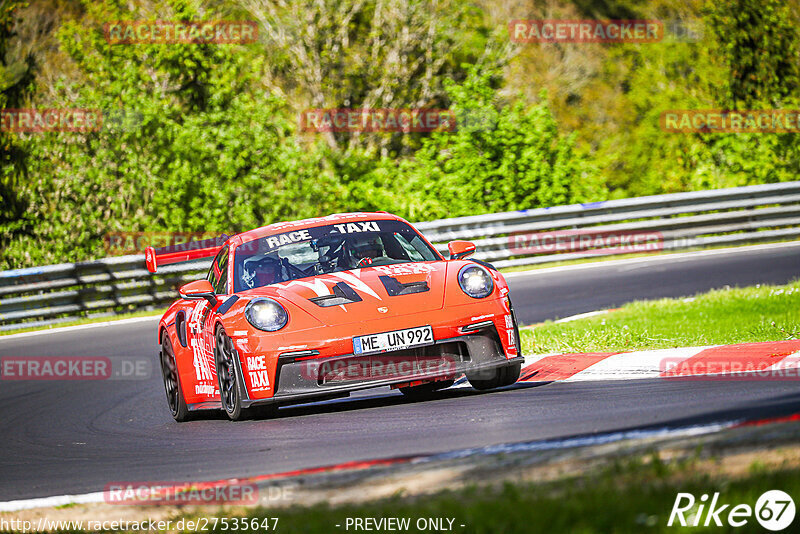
266 314
475 281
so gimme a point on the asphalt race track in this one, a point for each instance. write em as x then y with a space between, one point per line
77 436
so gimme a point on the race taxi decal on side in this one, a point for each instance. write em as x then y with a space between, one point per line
257 371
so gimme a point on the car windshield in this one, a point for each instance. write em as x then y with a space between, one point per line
327 249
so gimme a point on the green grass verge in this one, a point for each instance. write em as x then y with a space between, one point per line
87 320
633 495
632 255
737 315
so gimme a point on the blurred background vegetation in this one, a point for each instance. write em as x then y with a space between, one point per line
206 136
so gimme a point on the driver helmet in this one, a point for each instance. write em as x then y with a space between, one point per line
368 248
267 271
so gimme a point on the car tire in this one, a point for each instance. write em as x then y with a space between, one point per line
230 393
425 391
502 376
172 384
230 388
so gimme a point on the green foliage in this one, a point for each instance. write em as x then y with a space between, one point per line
758 44
16 85
374 55
502 157
197 147
203 137
746 58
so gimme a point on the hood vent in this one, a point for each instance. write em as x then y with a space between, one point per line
342 294
394 287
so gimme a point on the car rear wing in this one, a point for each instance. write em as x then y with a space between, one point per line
193 250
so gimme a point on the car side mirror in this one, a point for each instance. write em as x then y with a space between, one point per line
199 289
460 249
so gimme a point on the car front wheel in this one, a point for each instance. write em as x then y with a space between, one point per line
229 388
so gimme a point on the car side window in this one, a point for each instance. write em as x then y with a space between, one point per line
218 273
412 250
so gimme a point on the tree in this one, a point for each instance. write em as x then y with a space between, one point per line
369 54
16 89
503 156
191 143
758 44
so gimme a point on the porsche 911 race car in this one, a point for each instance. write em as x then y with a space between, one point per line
313 309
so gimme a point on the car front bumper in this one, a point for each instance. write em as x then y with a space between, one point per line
302 377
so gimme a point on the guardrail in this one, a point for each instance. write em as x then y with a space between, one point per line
55 293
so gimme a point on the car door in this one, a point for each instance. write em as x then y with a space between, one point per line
201 328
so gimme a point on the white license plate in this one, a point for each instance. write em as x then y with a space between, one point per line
395 340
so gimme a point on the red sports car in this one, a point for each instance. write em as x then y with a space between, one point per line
299 311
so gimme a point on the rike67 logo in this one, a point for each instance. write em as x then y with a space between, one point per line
774 510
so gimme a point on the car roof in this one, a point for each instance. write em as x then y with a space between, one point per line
337 218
